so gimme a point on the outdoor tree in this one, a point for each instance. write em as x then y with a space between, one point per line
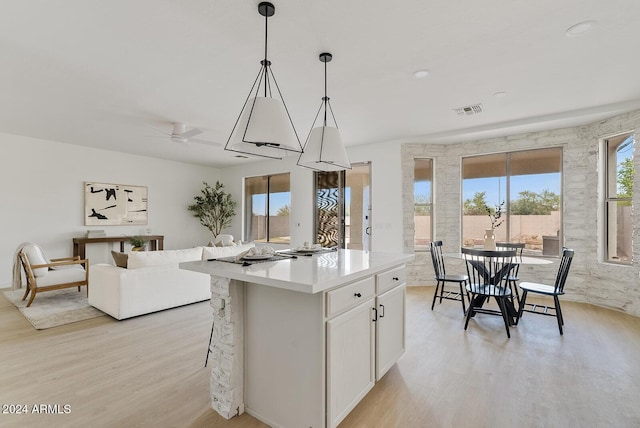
625 178
284 210
476 205
215 208
532 203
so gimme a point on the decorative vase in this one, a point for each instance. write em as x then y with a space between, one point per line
489 240
138 248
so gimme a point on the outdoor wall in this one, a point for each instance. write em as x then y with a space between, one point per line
591 280
42 188
279 226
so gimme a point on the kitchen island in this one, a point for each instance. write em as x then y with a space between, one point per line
299 342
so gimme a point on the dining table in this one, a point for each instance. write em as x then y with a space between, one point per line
479 301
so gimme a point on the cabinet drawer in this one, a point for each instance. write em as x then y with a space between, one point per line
349 295
391 278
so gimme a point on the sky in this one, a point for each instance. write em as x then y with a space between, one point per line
278 200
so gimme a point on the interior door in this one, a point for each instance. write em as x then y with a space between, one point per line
343 208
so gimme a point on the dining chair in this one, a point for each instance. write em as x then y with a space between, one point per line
554 291
442 278
513 275
488 278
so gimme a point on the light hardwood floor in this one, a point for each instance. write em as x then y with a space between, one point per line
148 371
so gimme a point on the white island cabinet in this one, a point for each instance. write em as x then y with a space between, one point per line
299 342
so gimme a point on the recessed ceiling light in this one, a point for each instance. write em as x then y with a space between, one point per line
420 74
500 94
580 28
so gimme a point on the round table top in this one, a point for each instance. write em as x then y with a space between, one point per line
523 260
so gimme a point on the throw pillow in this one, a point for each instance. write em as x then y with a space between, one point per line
120 259
36 257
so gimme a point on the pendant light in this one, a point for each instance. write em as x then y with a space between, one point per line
264 127
324 150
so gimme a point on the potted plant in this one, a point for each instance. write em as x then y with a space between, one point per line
215 208
495 215
137 242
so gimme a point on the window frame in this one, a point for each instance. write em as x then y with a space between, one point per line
508 197
429 204
607 198
247 216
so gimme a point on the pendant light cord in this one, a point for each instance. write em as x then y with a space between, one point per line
325 99
266 61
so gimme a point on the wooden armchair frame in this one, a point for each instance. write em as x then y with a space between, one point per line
32 283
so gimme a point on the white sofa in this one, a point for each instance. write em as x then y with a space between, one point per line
153 281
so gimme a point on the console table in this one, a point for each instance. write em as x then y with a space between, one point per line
156 242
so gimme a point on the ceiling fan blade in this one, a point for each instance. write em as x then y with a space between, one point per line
158 129
192 133
179 140
210 143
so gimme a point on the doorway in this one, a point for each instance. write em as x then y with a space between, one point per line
343 208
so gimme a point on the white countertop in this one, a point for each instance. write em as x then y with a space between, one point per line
312 274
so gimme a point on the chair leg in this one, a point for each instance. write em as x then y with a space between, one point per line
26 291
514 291
558 308
435 294
464 310
469 312
558 314
33 295
502 304
523 301
206 360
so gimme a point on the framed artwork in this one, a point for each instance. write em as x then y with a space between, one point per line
114 204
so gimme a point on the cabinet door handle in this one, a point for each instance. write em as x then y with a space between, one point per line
395 278
382 313
375 316
357 294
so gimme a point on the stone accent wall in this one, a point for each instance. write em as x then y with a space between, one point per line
591 280
227 363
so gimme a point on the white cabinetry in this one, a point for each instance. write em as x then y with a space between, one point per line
350 360
390 333
365 341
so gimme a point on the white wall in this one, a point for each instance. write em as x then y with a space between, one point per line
386 195
42 194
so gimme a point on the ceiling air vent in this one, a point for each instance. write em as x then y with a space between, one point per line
468 110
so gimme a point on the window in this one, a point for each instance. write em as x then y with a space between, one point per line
526 186
618 197
422 203
267 208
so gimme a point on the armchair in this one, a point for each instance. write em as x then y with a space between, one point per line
46 275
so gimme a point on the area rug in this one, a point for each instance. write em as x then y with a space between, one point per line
54 308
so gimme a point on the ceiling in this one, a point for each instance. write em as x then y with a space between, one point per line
99 73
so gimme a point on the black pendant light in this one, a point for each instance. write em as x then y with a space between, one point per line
324 150
264 127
